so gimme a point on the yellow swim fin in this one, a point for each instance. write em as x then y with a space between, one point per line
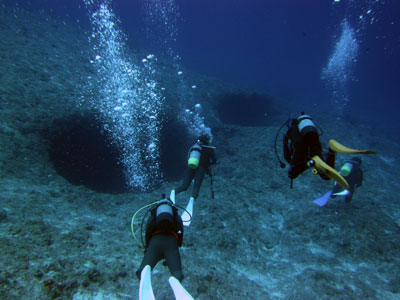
327 170
339 148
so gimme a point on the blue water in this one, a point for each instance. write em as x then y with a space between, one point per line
341 57
273 46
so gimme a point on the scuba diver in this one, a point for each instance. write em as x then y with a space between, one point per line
200 157
302 149
163 237
353 173
351 170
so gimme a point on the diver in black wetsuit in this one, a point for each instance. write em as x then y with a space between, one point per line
354 175
164 235
301 143
198 167
200 157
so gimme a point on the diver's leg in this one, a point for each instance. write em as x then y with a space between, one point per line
152 255
198 179
187 180
172 256
348 197
330 158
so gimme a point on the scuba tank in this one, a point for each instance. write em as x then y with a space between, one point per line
345 170
162 220
163 215
194 156
305 124
164 212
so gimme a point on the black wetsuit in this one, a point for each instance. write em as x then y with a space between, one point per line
207 158
354 179
298 149
163 242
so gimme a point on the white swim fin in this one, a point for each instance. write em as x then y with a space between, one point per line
145 289
179 291
172 196
188 213
342 193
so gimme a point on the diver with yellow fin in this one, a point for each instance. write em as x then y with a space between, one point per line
302 149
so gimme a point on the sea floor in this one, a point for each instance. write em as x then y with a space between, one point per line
257 238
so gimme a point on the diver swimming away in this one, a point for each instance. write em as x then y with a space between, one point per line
163 237
200 157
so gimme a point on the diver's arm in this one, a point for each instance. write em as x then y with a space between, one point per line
286 150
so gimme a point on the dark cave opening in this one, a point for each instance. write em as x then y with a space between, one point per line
245 109
83 153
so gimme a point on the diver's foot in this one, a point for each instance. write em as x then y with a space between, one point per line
179 291
336 147
188 213
145 288
172 196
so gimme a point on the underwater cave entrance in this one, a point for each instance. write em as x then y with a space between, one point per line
82 152
245 109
